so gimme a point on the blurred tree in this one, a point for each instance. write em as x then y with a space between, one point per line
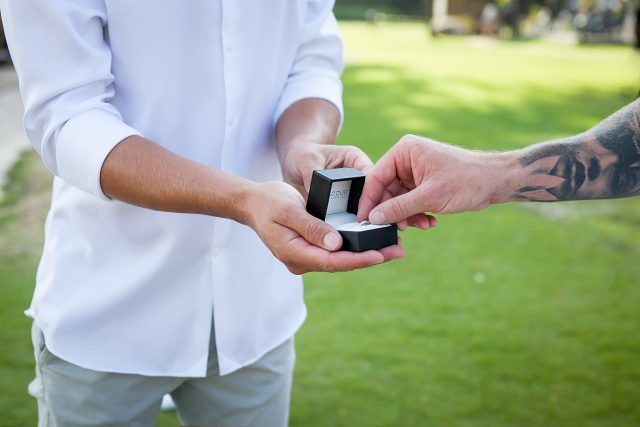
514 11
402 7
513 14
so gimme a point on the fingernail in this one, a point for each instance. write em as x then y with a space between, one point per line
331 241
377 217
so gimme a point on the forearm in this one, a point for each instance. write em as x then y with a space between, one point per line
142 173
603 162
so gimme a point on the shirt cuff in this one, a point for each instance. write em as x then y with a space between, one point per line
83 144
326 87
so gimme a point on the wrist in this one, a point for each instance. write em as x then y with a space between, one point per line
505 175
246 203
307 121
227 196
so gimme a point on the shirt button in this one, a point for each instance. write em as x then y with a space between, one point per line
229 48
215 252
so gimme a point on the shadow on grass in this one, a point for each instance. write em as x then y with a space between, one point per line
393 103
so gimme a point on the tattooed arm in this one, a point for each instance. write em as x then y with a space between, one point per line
601 163
420 175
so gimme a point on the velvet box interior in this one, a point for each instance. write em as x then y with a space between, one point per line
334 196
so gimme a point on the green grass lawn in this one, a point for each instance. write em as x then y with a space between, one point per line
522 315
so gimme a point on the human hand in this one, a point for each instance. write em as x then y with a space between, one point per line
303 158
276 211
421 175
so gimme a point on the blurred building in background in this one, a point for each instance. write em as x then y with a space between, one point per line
456 16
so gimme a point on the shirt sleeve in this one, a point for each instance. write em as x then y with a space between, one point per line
64 67
318 64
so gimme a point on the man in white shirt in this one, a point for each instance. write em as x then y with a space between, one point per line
167 126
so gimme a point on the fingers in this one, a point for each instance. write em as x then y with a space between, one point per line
422 221
303 257
345 261
392 252
398 208
380 179
389 192
359 160
304 243
347 157
313 160
374 193
313 230
419 220
331 157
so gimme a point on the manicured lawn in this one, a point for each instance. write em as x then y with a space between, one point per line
522 315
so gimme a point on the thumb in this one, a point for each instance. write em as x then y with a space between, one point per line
314 230
397 209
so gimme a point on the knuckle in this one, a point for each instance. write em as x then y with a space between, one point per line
413 142
408 139
399 209
313 231
354 149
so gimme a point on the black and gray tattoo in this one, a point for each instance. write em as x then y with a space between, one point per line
603 162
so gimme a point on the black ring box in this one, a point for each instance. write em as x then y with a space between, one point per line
334 196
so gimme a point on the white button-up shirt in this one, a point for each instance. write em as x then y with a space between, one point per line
126 289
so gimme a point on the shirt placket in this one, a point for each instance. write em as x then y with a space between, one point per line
229 67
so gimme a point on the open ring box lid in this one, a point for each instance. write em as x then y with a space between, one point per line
334 196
